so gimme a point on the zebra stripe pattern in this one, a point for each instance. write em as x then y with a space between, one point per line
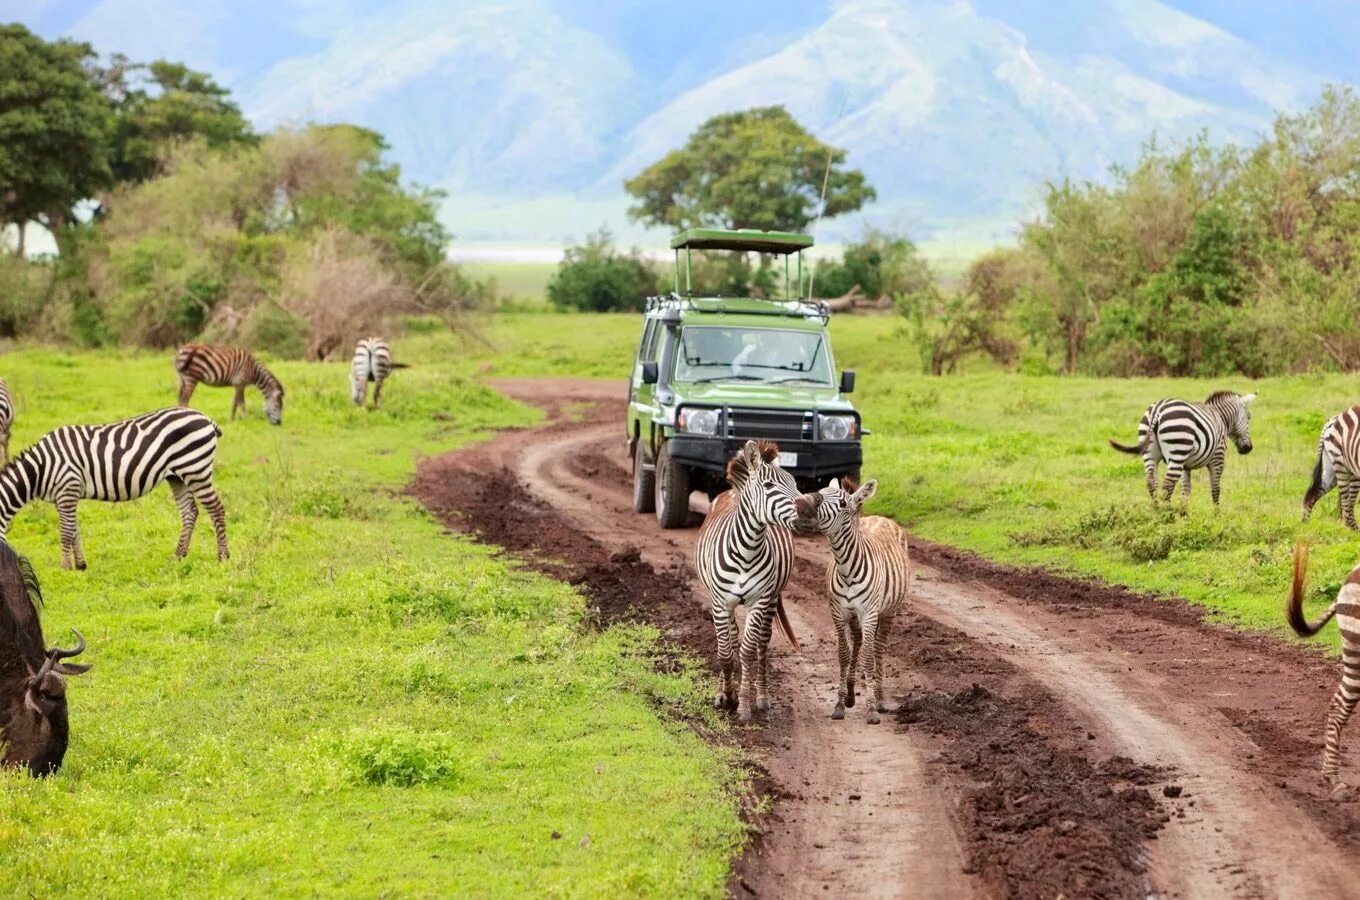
867 584
1191 436
228 367
6 421
1346 610
744 557
372 362
1337 464
116 462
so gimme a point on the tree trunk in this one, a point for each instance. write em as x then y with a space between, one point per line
19 247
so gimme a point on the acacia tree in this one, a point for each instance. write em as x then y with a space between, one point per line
54 127
752 169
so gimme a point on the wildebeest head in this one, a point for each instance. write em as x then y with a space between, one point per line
33 718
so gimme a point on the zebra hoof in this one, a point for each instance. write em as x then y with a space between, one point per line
881 706
744 715
850 700
81 565
838 712
721 702
873 717
1341 794
762 705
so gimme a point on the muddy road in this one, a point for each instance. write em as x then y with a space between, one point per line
1052 737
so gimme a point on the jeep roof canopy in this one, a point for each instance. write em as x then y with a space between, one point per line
741 240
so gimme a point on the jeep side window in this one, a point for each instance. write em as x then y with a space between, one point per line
647 352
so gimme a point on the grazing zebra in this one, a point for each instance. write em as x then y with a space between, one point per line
119 461
6 421
1338 463
1346 609
867 584
223 366
744 556
372 362
1191 436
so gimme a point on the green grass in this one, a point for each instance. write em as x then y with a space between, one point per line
525 282
357 703
1017 467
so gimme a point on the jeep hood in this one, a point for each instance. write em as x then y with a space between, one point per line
777 396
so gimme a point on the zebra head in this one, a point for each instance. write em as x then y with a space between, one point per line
273 405
1235 410
765 491
836 508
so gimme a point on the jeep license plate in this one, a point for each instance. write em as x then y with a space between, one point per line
788 460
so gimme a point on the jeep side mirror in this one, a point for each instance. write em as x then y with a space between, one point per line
650 373
847 381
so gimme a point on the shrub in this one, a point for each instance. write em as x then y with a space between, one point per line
596 277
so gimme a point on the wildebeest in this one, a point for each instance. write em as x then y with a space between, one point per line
33 719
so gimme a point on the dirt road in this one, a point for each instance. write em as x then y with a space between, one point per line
1053 737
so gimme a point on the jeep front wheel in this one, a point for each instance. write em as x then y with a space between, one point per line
644 482
672 490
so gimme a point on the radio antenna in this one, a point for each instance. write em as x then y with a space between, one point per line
821 203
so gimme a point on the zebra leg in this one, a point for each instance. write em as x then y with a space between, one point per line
204 493
1215 476
71 553
1150 473
852 671
725 627
1348 488
377 394
880 649
358 391
756 632
238 400
186 389
871 664
1343 704
1185 492
847 674
1173 475
4 444
188 514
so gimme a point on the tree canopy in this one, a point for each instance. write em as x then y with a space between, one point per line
753 169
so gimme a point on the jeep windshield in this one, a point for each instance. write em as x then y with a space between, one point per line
748 354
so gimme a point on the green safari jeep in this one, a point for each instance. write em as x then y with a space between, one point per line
712 372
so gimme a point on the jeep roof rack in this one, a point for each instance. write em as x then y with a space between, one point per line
744 306
742 240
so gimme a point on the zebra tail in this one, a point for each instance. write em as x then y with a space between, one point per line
1316 489
1294 610
784 624
397 365
1126 448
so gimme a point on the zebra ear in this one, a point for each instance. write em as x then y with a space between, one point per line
835 484
866 492
1246 401
751 453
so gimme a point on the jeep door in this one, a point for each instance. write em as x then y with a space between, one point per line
642 397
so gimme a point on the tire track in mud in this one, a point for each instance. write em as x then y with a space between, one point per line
1039 722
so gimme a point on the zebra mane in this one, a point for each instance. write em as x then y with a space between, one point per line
737 469
848 484
1221 395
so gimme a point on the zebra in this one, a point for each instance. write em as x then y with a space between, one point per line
6 421
1338 463
1346 610
372 362
867 583
223 366
744 556
115 462
1191 436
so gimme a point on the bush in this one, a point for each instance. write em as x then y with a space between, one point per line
595 277
880 265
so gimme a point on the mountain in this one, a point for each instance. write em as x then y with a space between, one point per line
530 113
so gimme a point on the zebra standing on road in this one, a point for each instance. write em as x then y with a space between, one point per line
1346 609
867 584
115 462
1191 436
372 362
6 421
1338 463
744 556
228 366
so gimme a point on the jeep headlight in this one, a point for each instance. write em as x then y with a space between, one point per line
698 421
836 428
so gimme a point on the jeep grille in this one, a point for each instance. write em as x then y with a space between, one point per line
774 425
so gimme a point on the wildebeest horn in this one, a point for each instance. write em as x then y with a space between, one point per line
56 654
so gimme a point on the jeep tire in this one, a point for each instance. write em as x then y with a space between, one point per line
644 482
672 490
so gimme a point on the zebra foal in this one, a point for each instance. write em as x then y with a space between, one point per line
228 366
1346 610
1191 436
372 362
1337 464
116 462
867 583
744 557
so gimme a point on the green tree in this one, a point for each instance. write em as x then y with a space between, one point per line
54 127
752 169
158 104
596 277
880 265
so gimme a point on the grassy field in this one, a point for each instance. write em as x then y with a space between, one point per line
1017 467
357 703
524 282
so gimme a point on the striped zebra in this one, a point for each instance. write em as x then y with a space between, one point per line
1346 610
1338 463
1191 436
372 362
6 421
866 583
115 462
228 366
744 557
